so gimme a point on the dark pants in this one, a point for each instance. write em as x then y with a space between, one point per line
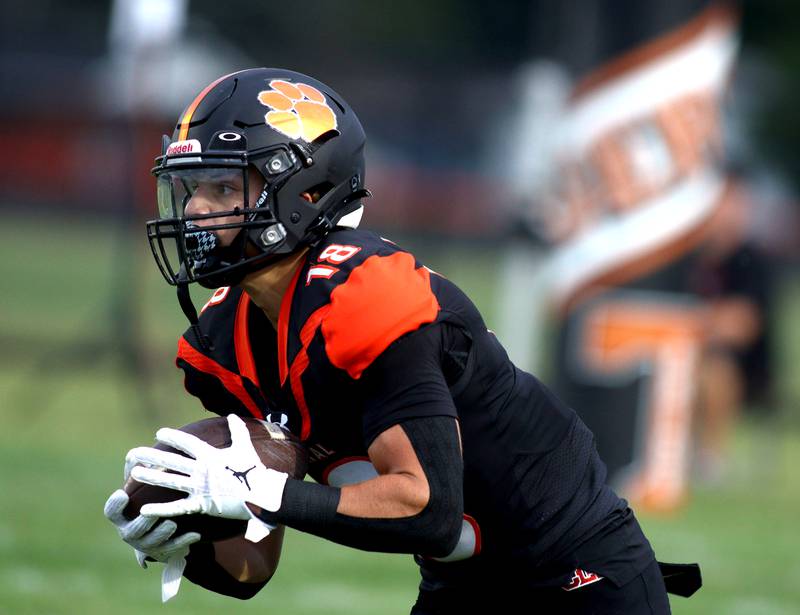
643 595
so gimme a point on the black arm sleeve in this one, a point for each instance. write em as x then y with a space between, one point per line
410 379
433 532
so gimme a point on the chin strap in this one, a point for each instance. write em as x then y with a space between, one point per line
185 300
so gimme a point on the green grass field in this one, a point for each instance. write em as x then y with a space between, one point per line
71 410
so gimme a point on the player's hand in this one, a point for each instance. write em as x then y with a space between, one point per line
151 540
219 482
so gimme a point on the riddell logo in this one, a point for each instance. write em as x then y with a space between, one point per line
298 110
184 147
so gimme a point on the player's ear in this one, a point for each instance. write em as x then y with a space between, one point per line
307 197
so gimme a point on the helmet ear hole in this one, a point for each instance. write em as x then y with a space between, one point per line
318 191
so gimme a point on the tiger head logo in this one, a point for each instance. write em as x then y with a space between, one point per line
297 110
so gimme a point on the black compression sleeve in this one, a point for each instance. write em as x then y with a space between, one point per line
408 381
433 532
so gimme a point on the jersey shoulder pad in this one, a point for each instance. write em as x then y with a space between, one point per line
222 302
218 313
330 263
343 250
380 294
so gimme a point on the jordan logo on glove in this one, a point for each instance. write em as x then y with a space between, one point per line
242 476
203 474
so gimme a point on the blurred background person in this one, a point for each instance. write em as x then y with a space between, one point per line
734 277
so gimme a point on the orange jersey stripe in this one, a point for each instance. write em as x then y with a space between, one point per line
241 341
300 364
232 382
187 116
283 324
382 299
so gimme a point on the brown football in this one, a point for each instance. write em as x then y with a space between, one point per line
277 449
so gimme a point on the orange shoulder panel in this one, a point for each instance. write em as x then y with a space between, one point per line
382 299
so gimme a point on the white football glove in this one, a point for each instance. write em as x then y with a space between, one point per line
219 482
152 543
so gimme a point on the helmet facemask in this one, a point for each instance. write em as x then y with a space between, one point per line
237 229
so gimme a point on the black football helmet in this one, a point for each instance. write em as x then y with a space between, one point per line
287 129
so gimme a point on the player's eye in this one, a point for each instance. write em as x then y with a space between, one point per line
226 189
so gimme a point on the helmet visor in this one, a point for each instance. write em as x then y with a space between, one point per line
202 212
216 214
214 190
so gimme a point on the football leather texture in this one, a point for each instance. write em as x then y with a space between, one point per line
277 449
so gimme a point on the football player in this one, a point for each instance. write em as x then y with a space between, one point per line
423 437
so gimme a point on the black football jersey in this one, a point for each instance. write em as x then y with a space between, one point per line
335 374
